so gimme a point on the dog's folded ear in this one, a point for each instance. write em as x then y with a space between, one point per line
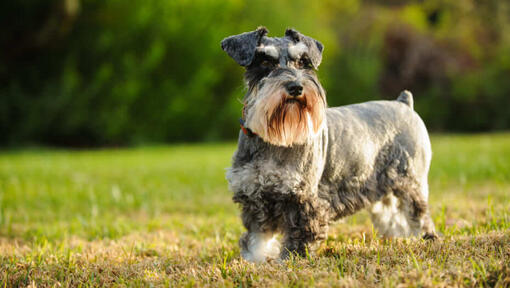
315 47
242 47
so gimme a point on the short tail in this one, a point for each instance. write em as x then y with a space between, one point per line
407 98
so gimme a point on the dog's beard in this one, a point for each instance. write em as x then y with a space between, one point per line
282 120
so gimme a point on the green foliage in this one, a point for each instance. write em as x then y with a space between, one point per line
85 72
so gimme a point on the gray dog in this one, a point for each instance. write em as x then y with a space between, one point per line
300 165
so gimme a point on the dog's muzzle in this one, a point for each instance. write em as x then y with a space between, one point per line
294 88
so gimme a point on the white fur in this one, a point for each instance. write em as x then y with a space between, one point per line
261 246
425 189
269 50
390 218
295 51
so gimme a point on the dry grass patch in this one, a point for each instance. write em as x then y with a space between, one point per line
163 216
165 258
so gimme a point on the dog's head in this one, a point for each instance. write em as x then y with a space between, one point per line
285 103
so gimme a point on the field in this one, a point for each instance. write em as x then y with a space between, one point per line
163 216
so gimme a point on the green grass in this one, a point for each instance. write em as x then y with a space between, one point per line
163 216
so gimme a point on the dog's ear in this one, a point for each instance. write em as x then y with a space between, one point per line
242 47
315 47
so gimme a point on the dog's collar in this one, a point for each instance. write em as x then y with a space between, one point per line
247 131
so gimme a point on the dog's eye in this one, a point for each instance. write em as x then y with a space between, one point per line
305 63
267 64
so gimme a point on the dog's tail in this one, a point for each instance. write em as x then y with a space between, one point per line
407 98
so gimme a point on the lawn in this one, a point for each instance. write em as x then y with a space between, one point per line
163 216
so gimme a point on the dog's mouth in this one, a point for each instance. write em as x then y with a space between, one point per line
295 100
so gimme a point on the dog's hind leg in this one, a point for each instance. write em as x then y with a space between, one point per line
388 219
426 223
404 213
417 211
403 210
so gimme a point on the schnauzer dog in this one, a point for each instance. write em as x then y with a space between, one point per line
300 165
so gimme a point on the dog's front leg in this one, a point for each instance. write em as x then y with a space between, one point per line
259 243
259 246
305 224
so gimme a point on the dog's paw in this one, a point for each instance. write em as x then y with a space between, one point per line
258 248
430 236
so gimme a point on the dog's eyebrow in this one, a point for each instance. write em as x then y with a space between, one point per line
270 51
295 51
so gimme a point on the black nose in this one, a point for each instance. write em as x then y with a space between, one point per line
294 88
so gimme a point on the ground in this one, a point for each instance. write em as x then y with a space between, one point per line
163 216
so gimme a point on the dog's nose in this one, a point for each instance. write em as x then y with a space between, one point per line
294 88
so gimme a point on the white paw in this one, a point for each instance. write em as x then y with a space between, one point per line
261 247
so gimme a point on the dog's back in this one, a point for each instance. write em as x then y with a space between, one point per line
377 150
366 128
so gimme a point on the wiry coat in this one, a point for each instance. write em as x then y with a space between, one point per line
373 155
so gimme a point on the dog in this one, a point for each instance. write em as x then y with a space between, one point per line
300 165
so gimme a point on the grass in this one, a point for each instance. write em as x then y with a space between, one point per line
163 216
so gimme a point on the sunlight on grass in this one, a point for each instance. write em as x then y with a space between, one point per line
163 215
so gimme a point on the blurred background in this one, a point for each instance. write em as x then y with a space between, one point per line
84 73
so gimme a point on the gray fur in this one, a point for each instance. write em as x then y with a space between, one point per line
242 47
407 98
373 155
315 48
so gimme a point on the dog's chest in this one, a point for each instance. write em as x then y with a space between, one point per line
259 169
